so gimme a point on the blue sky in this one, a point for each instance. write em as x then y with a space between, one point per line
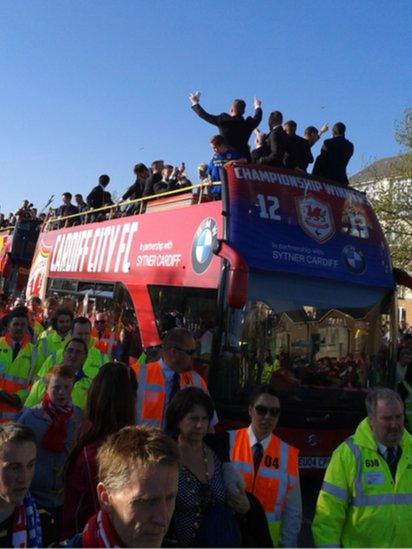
93 87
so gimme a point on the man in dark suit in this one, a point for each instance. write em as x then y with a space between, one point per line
334 156
155 177
98 196
276 142
298 155
135 191
233 126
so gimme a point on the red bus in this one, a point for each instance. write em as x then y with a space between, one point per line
17 245
287 279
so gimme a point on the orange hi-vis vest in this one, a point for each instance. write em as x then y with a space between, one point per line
277 474
151 392
107 342
15 375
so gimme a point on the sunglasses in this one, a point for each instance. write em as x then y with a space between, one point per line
100 321
264 410
188 352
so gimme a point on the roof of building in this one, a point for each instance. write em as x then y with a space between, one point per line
381 169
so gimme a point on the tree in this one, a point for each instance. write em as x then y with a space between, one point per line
391 198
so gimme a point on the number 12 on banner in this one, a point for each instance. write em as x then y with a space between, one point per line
268 205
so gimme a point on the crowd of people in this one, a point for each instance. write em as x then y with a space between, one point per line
99 452
280 146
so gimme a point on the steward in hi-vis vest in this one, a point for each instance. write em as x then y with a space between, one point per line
159 381
55 338
104 336
269 467
17 365
366 496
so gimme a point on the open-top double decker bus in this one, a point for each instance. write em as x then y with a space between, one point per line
287 279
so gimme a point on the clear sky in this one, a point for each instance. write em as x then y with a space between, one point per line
90 87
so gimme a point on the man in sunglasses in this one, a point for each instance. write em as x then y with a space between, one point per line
269 467
159 381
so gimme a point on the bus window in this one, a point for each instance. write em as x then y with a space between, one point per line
332 341
191 308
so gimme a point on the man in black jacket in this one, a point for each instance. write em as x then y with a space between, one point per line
276 142
135 191
99 197
154 177
298 155
334 156
233 126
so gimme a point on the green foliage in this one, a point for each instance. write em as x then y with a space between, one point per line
392 199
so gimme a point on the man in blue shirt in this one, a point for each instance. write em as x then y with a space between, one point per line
222 155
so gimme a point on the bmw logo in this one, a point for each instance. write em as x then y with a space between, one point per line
353 259
203 243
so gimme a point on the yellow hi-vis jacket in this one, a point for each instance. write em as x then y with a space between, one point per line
15 375
48 344
94 360
359 504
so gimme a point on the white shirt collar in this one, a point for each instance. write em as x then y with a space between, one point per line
252 438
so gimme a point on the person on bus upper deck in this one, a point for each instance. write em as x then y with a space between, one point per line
159 381
312 134
24 212
269 467
135 191
67 208
260 148
98 196
155 176
233 126
222 155
334 156
298 155
80 203
366 496
276 142
168 181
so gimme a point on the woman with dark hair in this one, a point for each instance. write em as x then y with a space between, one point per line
201 487
110 406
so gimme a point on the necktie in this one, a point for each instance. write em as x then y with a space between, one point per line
257 454
175 385
16 349
391 459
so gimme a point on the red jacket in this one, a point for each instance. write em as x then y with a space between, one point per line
80 500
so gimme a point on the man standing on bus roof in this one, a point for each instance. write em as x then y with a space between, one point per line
276 143
159 381
233 126
269 467
366 496
334 156
17 365
154 177
222 155
98 196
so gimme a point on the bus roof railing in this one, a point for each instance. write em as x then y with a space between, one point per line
114 208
